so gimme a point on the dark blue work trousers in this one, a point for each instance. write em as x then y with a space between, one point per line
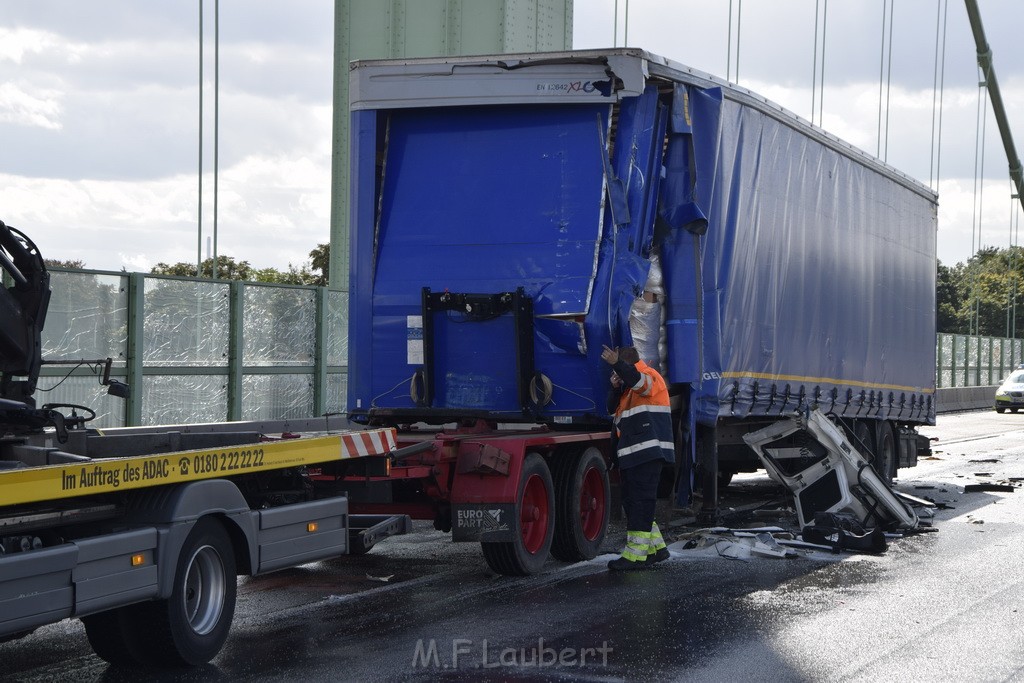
639 486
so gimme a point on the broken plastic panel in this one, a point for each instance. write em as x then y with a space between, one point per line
811 456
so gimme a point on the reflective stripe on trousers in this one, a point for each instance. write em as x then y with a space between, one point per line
641 544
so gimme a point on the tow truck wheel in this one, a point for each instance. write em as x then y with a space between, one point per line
886 453
111 636
534 523
581 499
191 626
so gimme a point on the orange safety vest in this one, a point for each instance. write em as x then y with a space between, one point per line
643 420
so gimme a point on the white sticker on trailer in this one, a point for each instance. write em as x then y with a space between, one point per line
414 340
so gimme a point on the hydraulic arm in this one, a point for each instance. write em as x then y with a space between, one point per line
23 303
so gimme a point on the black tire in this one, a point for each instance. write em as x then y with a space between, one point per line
1000 410
886 452
111 636
863 440
582 504
190 627
1013 410
534 523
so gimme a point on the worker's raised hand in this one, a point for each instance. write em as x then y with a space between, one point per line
610 356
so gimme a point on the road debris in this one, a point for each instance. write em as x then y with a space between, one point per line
812 457
1002 488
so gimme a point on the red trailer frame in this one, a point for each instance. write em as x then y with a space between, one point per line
523 494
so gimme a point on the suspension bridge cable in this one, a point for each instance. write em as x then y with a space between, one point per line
888 83
981 116
199 239
739 26
1016 240
935 94
615 25
625 34
881 79
728 47
974 213
814 70
821 94
1012 278
942 86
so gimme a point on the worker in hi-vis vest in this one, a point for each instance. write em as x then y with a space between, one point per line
643 443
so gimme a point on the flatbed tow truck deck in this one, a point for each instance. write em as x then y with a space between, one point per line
141 531
151 542
35 473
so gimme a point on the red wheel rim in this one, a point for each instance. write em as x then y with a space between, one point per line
534 514
592 504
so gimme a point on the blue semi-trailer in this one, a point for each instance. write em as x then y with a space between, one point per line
512 214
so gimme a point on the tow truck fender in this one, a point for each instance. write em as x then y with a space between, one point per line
264 540
175 510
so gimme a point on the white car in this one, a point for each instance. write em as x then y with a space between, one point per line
1010 394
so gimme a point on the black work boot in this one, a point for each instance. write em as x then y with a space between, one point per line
659 556
621 564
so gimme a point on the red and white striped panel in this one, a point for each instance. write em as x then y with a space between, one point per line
370 442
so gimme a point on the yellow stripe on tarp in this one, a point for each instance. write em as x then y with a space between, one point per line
108 475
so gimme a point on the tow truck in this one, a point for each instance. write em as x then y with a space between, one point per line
140 532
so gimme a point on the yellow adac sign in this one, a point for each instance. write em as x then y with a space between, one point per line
107 475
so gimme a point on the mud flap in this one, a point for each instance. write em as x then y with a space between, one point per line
491 522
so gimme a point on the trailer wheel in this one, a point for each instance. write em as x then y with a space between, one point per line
582 494
533 526
863 441
886 452
191 626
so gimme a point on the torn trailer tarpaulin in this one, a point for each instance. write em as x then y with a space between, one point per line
811 456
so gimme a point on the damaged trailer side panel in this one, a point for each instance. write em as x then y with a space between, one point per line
794 271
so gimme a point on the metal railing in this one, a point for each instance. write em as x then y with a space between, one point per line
195 350
198 350
971 361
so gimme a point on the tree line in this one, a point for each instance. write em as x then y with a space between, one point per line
983 296
316 271
313 272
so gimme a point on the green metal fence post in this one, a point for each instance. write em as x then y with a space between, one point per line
952 360
981 361
320 354
991 348
938 360
236 348
134 361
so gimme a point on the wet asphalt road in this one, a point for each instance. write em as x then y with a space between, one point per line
945 605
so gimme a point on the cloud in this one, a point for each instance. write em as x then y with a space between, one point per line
22 106
16 43
99 117
273 209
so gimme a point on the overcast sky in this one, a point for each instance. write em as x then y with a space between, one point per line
99 111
